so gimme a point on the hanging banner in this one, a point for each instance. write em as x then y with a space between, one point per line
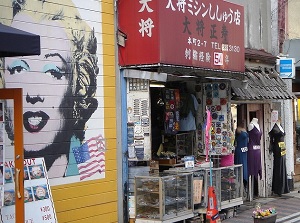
38 200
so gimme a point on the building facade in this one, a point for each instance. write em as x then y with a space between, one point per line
69 102
290 44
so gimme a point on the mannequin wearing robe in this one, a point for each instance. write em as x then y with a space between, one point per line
254 151
277 146
241 150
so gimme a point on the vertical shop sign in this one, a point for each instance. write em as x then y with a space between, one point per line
39 205
204 33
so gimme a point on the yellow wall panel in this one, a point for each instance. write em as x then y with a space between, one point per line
109 60
109 103
90 200
109 50
107 16
110 112
110 38
107 7
108 28
111 143
110 92
105 218
110 122
110 133
110 73
85 190
86 212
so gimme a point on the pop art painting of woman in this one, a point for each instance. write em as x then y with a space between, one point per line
60 90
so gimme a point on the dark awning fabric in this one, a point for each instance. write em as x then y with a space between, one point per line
15 42
263 83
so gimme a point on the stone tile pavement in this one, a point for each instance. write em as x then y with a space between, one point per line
287 207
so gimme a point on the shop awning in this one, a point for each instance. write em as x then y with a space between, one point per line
15 42
262 84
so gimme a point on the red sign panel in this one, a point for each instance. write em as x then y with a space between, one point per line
198 33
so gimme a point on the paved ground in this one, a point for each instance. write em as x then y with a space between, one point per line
287 207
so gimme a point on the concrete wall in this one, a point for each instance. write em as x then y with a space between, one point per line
293 17
258 17
291 44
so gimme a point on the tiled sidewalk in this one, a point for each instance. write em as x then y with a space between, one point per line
287 207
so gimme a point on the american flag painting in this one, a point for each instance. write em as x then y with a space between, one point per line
90 157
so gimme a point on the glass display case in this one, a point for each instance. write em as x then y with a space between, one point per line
164 197
229 185
228 182
181 144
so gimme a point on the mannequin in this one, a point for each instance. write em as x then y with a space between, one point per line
254 153
253 123
277 146
278 123
241 150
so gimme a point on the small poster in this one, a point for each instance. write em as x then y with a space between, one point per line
189 161
38 201
198 184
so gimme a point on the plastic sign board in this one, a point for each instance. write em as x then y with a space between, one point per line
286 67
207 34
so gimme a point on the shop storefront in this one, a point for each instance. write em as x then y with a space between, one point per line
176 66
264 98
166 125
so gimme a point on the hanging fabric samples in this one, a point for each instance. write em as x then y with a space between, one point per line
172 118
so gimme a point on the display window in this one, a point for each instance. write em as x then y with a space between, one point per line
166 120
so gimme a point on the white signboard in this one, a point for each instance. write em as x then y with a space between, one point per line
39 205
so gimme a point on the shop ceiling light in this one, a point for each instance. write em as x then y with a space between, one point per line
157 85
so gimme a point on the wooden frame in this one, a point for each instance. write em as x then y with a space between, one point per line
16 95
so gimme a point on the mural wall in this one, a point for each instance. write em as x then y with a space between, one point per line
69 101
62 87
